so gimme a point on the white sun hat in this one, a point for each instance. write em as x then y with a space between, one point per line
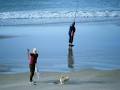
34 50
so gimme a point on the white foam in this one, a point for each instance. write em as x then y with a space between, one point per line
43 17
56 14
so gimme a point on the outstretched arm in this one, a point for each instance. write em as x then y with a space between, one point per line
28 53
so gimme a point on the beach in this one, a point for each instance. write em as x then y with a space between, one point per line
94 60
88 79
93 63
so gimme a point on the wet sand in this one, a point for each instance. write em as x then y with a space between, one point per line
96 46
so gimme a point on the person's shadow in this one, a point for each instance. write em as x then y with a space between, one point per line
70 57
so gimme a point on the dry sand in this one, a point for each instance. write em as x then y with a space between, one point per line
88 79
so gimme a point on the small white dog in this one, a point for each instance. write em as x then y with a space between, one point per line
63 79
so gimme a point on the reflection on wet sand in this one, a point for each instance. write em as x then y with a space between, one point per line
70 57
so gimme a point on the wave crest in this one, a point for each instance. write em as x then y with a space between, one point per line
57 14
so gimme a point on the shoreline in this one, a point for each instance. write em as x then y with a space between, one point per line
13 72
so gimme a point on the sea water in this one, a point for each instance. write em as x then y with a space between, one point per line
44 24
15 12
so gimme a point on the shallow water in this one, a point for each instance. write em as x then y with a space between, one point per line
96 46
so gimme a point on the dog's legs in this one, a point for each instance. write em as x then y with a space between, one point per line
61 82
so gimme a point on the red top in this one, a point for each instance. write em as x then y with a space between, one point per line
33 58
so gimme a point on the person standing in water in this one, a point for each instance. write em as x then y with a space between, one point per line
32 57
72 30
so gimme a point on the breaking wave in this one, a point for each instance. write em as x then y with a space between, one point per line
24 17
57 14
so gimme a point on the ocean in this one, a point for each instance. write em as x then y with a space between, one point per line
44 24
17 12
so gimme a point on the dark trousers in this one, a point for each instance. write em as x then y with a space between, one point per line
70 39
32 70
